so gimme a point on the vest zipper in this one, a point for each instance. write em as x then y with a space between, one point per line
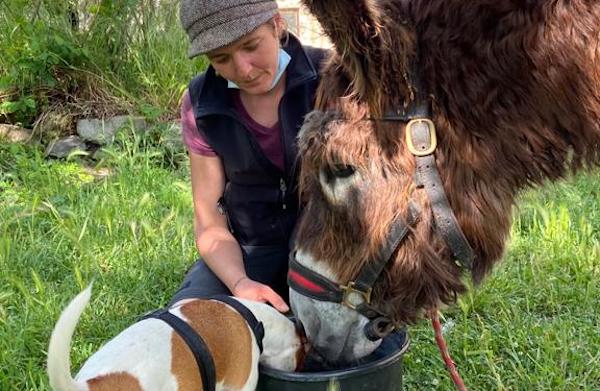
222 209
283 188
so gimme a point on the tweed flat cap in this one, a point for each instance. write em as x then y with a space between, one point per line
211 24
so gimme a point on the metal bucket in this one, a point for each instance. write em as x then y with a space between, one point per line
381 374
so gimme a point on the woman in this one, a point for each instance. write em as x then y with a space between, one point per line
240 120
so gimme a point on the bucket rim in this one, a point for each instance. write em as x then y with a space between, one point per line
338 373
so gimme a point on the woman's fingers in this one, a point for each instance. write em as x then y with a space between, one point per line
253 290
275 300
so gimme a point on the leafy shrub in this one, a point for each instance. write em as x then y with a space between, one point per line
96 57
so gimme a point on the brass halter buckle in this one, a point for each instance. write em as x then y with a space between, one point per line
423 151
355 297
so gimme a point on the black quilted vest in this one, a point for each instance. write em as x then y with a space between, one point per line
260 200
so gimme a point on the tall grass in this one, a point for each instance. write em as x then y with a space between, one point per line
533 325
63 227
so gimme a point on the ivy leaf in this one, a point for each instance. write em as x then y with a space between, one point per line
8 107
30 103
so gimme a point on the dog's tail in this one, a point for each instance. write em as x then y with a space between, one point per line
59 362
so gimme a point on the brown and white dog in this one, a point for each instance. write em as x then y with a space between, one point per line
150 355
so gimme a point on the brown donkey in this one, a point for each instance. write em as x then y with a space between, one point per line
433 115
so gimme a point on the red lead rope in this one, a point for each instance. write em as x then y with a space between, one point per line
450 365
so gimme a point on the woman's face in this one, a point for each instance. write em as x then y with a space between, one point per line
251 61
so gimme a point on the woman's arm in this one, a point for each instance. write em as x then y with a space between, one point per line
213 239
215 243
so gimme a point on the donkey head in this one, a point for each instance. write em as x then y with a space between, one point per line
358 178
359 167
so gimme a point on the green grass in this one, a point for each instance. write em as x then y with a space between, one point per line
61 228
533 325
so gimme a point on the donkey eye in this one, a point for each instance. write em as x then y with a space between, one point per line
331 173
342 170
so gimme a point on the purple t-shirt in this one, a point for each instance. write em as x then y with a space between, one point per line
269 139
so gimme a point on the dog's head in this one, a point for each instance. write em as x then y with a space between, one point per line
284 345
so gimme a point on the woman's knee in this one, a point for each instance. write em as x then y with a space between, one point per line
199 282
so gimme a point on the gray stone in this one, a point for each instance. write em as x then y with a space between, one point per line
171 136
103 131
14 134
63 147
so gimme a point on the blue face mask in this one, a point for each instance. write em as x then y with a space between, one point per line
282 63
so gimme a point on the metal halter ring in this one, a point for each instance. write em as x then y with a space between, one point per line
351 294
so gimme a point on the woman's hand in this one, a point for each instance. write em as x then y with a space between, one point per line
249 289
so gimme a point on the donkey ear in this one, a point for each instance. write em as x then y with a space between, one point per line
361 33
350 24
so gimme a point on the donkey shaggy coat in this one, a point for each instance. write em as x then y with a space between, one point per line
514 87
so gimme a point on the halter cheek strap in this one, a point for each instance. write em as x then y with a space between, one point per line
421 141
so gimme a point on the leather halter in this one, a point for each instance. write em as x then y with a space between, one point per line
421 141
357 294
198 346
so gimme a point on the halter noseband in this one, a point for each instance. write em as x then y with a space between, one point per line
421 141
357 294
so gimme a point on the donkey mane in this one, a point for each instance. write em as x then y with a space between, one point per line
515 92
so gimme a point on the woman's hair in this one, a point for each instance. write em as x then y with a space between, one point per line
284 34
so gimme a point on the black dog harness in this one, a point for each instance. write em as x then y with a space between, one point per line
194 341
